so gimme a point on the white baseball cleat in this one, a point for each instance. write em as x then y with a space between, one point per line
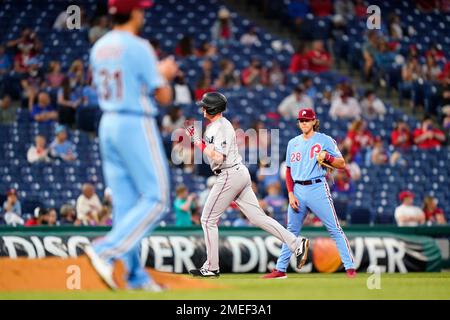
104 269
302 252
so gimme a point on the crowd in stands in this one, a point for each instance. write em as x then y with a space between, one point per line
54 95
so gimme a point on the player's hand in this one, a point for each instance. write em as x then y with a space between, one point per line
168 68
191 132
293 202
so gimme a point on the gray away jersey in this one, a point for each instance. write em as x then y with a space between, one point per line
221 134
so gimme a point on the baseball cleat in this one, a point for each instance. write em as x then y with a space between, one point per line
203 273
275 274
302 252
351 273
104 269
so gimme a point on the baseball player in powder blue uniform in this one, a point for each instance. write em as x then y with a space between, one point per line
308 188
126 74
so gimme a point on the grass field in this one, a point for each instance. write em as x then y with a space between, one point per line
296 287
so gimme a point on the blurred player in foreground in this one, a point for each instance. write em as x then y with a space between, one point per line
126 72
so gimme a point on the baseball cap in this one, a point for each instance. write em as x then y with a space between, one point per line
11 192
126 6
405 194
307 114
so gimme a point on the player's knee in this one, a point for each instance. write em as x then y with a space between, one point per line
208 221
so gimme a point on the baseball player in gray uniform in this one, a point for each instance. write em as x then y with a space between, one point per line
233 184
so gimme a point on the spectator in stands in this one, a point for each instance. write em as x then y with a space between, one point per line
5 62
250 38
255 74
99 29
384 59
54 76
51 218
184 206
408 215
372 106
299 60
319 60
26 47
185 47
42 217
8 112
68 216
345 106
203 195
206 49
242 221
360 9
358 137
428 136
88 205
274 200
203 86
411 72
222 31
31 83
89 95
310 89
343 190
38 152
436 52
228 76
297 11
378 155
433 214
208 69
431 70
395 28
174 119
275 75
12 206
321 8
352 167
298 99
43 111
182 92
62 19
344 9
61 147
370 49
401 136
68 101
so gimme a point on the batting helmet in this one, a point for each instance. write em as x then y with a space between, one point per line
213 103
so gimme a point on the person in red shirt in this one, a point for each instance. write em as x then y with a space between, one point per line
319 60
401 136
321 8
427 136
299 61
433 214
360 9
185 47
357 137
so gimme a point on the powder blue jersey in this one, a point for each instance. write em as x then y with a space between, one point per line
301 155
125 73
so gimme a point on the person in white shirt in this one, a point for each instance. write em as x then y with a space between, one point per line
88 205
344 106
290 105
250 38
372 106
407 214
38 152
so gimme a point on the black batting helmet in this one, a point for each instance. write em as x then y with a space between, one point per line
213 102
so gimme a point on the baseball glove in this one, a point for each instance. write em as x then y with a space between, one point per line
321 160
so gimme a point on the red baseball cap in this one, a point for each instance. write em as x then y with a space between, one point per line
307 114
405 194
126 6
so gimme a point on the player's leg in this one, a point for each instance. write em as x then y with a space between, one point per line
221 195
143 158
321 203
294 225
248 203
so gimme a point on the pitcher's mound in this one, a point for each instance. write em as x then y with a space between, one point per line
56 274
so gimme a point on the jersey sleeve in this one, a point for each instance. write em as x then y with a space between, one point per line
148 67
223 140
331 147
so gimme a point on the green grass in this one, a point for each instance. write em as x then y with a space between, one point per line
297 287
